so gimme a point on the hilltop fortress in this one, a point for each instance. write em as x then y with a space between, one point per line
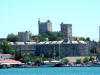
63 48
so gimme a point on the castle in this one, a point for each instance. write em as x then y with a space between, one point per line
63 48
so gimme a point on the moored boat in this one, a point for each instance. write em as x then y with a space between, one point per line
50 63
96 64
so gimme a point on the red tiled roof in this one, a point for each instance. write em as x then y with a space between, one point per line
5 54
9 61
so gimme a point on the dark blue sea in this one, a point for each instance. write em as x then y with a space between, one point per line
52 71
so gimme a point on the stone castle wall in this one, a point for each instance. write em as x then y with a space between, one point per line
25 49
63 50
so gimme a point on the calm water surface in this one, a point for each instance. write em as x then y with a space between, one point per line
52 71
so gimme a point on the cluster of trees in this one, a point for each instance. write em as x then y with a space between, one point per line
79 61
43 37
12 37
65 61
85 60
6 48
83 39
48 36
38 60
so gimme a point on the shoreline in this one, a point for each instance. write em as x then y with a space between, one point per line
47 67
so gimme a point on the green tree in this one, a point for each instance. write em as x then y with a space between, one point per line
44 35
60 34
78 61
53 38
37 61
65 61
48 33
7 48
26 59
12 37
82 39
45 59
42 38
88 39
86 60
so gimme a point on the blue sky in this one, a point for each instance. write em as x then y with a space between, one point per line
22 15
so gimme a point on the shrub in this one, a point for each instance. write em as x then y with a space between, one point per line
78 61
86 60
65 61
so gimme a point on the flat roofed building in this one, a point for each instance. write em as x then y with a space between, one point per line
9 62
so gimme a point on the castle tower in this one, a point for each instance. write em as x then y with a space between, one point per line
66 29
23 36
44 26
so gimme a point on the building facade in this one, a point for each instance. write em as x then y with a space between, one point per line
66 29
26 48
44 26
4 56
23 36
60 48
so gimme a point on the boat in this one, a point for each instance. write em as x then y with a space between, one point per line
50 63
96 64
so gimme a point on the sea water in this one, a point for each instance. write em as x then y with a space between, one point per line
52 71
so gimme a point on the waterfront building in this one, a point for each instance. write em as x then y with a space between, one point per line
44 26
5 59
4 56
66 29
10 62
26 48
23 36
62 49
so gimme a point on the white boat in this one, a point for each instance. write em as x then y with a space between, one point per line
50 63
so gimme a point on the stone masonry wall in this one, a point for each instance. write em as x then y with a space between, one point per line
25 49
62 50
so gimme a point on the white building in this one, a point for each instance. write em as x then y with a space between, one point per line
5 59
4 56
